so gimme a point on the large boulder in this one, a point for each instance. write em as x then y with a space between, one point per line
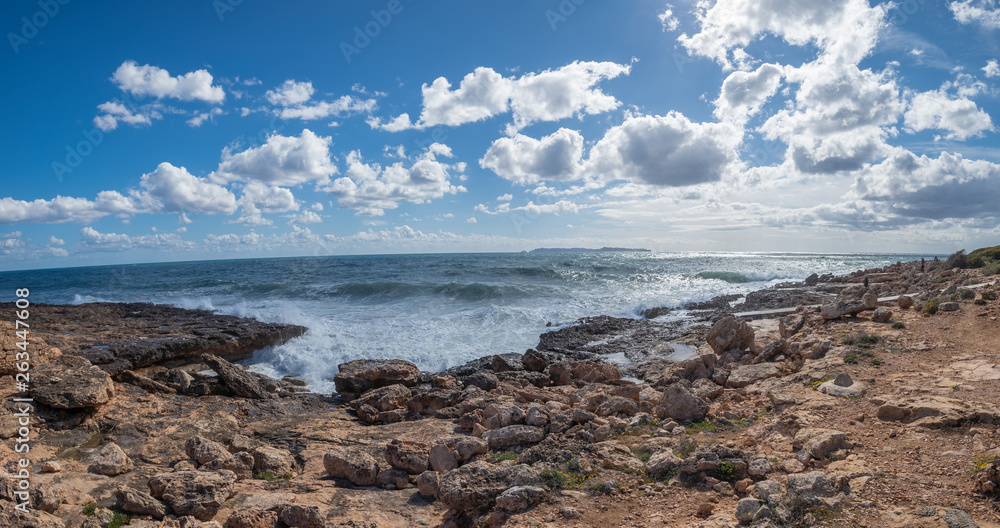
567 372
478 484
272 460
412 457
40 351
354 465
300 516
805 490
465 447
112 461
663 463
513 435
196 493
71 382
239 381
252 518
730 333
362 375
384 398
679 403
844 305
203 450
520 498
819 442
136 501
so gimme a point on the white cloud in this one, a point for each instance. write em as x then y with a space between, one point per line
64 209
91 239
306 217
370 188
983 12
844 30
283 160
345 105
743 93
316 206
992 69
562 206
668 150
114 112
960 117
156 82
259 198
200 117
505 197
56 241
290 93
471 220
668 20
550 95
180 191
526 160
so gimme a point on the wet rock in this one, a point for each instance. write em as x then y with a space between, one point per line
567 372
252 519
354 465
111 461
239 381
196 493
478 484
730 333
520 498
136 501
362 375
513 435
300 516
678 403
203 450
506 363
412 457
534 360
70 382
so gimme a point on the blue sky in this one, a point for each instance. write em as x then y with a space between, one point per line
161 131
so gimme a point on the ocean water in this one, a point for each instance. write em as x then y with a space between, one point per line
435 310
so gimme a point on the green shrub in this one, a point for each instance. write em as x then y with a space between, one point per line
119 519
645 457
506 455
898 325
931 306
726 470
957 259
90 508
554 478
983 256
686 447
875 362
991 267
861 340
271 477
851 359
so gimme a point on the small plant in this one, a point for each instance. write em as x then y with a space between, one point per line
90 508
726 470
981 462
875 362
119 519
699 426
271 477
645 457
820 381
553 478
967 293
506 455
931 306
851 359
686 447
898 325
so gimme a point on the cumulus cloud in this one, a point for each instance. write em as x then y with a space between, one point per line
936 110
153 81
743 92
992 69
526 160
290 93
983 12
113 112
668 20
258 198
306 217
180 191
371 188
845 31
65 209
343 106
283 160
200 117
549 95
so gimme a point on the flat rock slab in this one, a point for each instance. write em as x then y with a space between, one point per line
744 375
71 382
124 336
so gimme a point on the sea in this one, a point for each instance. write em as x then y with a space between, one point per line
439 310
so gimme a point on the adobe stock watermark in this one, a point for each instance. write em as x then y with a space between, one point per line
562 12
902 11
30 26
224 7
77 152
364 35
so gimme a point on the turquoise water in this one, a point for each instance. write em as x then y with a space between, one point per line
435 310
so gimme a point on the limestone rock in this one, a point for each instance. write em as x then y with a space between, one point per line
465 447
384 398
520 498
819 442
239 463
678 403
239 381
427 483
513 435
478 484
276 461
393 479
136 501
618 404
300 516
203 450
744 375
412 457
730 333
567 372
442 458
71 382
534 360
904 302
352 464
252 519
361 375
111 461
663 463
881 315
196 493
41 352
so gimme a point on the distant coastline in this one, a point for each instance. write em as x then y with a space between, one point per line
589 250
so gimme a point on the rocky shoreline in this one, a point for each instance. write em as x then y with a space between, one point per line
847 411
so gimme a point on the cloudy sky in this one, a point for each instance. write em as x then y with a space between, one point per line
160 131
